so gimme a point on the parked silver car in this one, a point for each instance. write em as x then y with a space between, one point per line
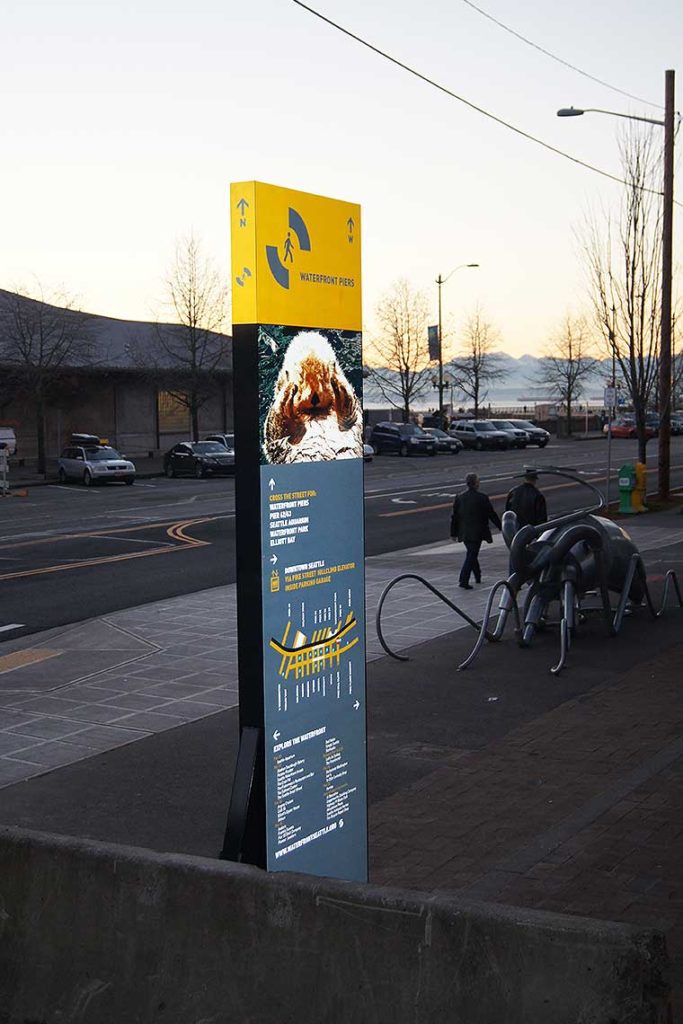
94 464
518 437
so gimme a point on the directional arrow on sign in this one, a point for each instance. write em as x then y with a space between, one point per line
276 735
350 224
271 483
242 205
403 501
273 559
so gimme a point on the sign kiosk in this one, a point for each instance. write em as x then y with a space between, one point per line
299 799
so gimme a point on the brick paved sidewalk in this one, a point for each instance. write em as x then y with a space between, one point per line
578 810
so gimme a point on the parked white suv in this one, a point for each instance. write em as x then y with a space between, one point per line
94 464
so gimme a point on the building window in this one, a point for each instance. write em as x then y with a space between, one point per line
174 417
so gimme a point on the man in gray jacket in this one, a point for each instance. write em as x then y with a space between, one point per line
472 513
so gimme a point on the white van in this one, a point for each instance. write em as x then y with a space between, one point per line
8 440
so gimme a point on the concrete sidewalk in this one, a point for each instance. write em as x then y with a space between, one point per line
503 783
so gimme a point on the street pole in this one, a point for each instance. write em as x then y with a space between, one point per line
442 280
439 281
664 452
611 412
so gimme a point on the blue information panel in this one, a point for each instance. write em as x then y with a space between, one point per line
314 668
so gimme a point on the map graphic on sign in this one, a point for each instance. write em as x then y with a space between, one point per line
304 658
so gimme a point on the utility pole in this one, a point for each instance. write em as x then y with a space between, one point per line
664 453
439 281
442 280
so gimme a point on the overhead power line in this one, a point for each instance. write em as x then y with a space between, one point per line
468 103
559 60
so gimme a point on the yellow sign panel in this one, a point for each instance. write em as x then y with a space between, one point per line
295 258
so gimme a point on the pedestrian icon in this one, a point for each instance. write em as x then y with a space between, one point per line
289 248
277 265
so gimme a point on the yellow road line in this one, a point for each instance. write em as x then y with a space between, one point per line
103 533
187 542
20 659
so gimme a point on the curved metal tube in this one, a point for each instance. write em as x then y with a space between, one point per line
623 599
566 623
670 578
553 555
505 604
483 631
442 597
564 648
604 592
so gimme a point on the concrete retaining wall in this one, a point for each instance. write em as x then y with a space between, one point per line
98 934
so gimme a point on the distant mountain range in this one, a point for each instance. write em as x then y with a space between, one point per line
519 386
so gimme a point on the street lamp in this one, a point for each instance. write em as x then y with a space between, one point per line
664 463
442 280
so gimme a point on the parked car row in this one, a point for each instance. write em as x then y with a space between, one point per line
90 459
625 426
409 439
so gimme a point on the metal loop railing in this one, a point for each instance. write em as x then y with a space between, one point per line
670 579
434 590
484 633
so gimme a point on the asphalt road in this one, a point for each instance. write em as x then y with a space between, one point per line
71 553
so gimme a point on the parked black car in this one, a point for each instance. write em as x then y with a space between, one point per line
444 441
537 435
401 438
198 458
518 437
479 434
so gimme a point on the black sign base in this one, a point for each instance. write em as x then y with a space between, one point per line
244 832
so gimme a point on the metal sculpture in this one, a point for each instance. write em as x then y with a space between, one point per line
565 561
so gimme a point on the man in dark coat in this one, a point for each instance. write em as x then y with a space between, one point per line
472 512
527 502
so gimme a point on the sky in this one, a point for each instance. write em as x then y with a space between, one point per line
124 124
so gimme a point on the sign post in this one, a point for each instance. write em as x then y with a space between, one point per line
299 798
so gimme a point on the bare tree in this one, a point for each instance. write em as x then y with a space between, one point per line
566 364
623 257
40 336
676 364
476 366
189 352
400 350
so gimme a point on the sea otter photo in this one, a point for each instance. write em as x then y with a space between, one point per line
314 414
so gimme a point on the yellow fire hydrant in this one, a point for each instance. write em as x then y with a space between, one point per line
639 492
